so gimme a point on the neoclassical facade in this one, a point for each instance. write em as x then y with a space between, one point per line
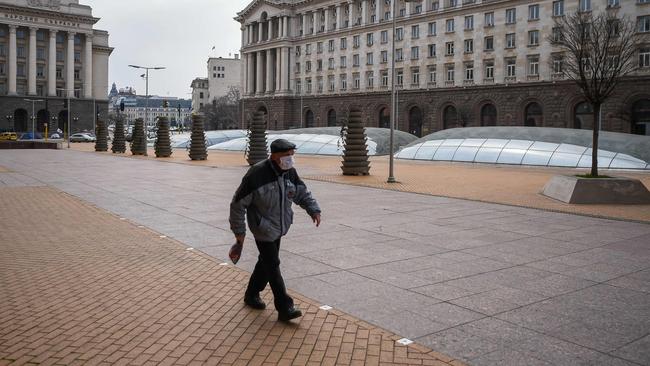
49 52
458 63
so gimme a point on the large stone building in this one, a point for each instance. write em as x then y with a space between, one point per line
49 51
223 74
178 111
458 63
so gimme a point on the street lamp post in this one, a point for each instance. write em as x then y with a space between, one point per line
146 106
393 104
33 101
9 118
69 111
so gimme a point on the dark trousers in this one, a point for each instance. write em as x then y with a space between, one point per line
267 270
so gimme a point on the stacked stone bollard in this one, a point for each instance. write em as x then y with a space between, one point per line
163 144
102 136
198 150
355 155
119 141
257 150
138 144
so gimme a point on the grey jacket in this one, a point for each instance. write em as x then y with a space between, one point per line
265 197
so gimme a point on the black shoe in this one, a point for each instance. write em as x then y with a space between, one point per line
255 302
292 313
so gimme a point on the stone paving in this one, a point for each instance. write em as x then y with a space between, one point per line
484 283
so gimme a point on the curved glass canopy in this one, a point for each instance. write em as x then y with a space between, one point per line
182 141
517 152
309 144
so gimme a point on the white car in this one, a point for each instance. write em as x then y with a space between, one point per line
82 137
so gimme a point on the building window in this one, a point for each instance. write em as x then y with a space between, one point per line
510 40
432 75
330 45
644 57
319 65
20 34
344 62
319 47
308 86
432 50
355 60
511 16
40 71
449 48
435 5
319 84
77 74
399 34
585 5
533 38
59 74
344 43
59 56
644 23
533 65
613 3
77 56
370 39
343 79
533 12
370 79
384 78
558 64
3 51
511 67
384 36
489 43
298 67
450 73
200 94
469 46
20 69
40 53
308 49
469 22
432 28
297 51
40 35
489 19
331 83
60 38
399 79
415 53
399 55
489 69
356 81
558 8
415 32
307 66
20 51
330 63
469 71
356 41
370 58
450 25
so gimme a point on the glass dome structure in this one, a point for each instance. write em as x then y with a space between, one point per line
182 141
517 152
308 144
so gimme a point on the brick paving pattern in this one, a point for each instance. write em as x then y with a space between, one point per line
81 286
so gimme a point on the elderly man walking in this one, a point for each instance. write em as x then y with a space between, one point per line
264 198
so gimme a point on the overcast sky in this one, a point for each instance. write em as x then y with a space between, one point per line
177 34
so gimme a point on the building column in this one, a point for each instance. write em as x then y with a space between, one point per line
88 67
351 14
278 70
69 66
284 82
259 81
407 11
260 27
31 83
286 26
378 11
305 24
317 20
364 12
250 76
51 65
327 19
269 71
270 30
12 67
339 16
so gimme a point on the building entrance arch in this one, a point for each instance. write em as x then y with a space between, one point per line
583 116
641 117
449 117
331 118
415 121
63 121
42 118
384 118
489 115
309 118
534 115
21 121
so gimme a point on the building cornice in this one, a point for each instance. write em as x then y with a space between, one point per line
49 13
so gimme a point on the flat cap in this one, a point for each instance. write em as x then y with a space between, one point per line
281 145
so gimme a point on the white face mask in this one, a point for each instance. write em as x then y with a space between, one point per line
287 162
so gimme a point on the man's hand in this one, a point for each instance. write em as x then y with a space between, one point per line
240 238
316 219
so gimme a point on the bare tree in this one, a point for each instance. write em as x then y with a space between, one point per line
597 51
224 112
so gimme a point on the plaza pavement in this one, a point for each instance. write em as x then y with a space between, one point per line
485 283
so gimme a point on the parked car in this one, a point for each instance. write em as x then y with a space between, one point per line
8 136
29 136
82 137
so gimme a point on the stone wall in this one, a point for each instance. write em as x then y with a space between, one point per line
557 99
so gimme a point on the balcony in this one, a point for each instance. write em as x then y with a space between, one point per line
488 81
510 79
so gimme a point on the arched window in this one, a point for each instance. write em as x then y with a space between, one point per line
641 117
384 118
20 121
489 115
449 117
42 118
63 121
415 121
534 115
331 118
309 118
583 116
